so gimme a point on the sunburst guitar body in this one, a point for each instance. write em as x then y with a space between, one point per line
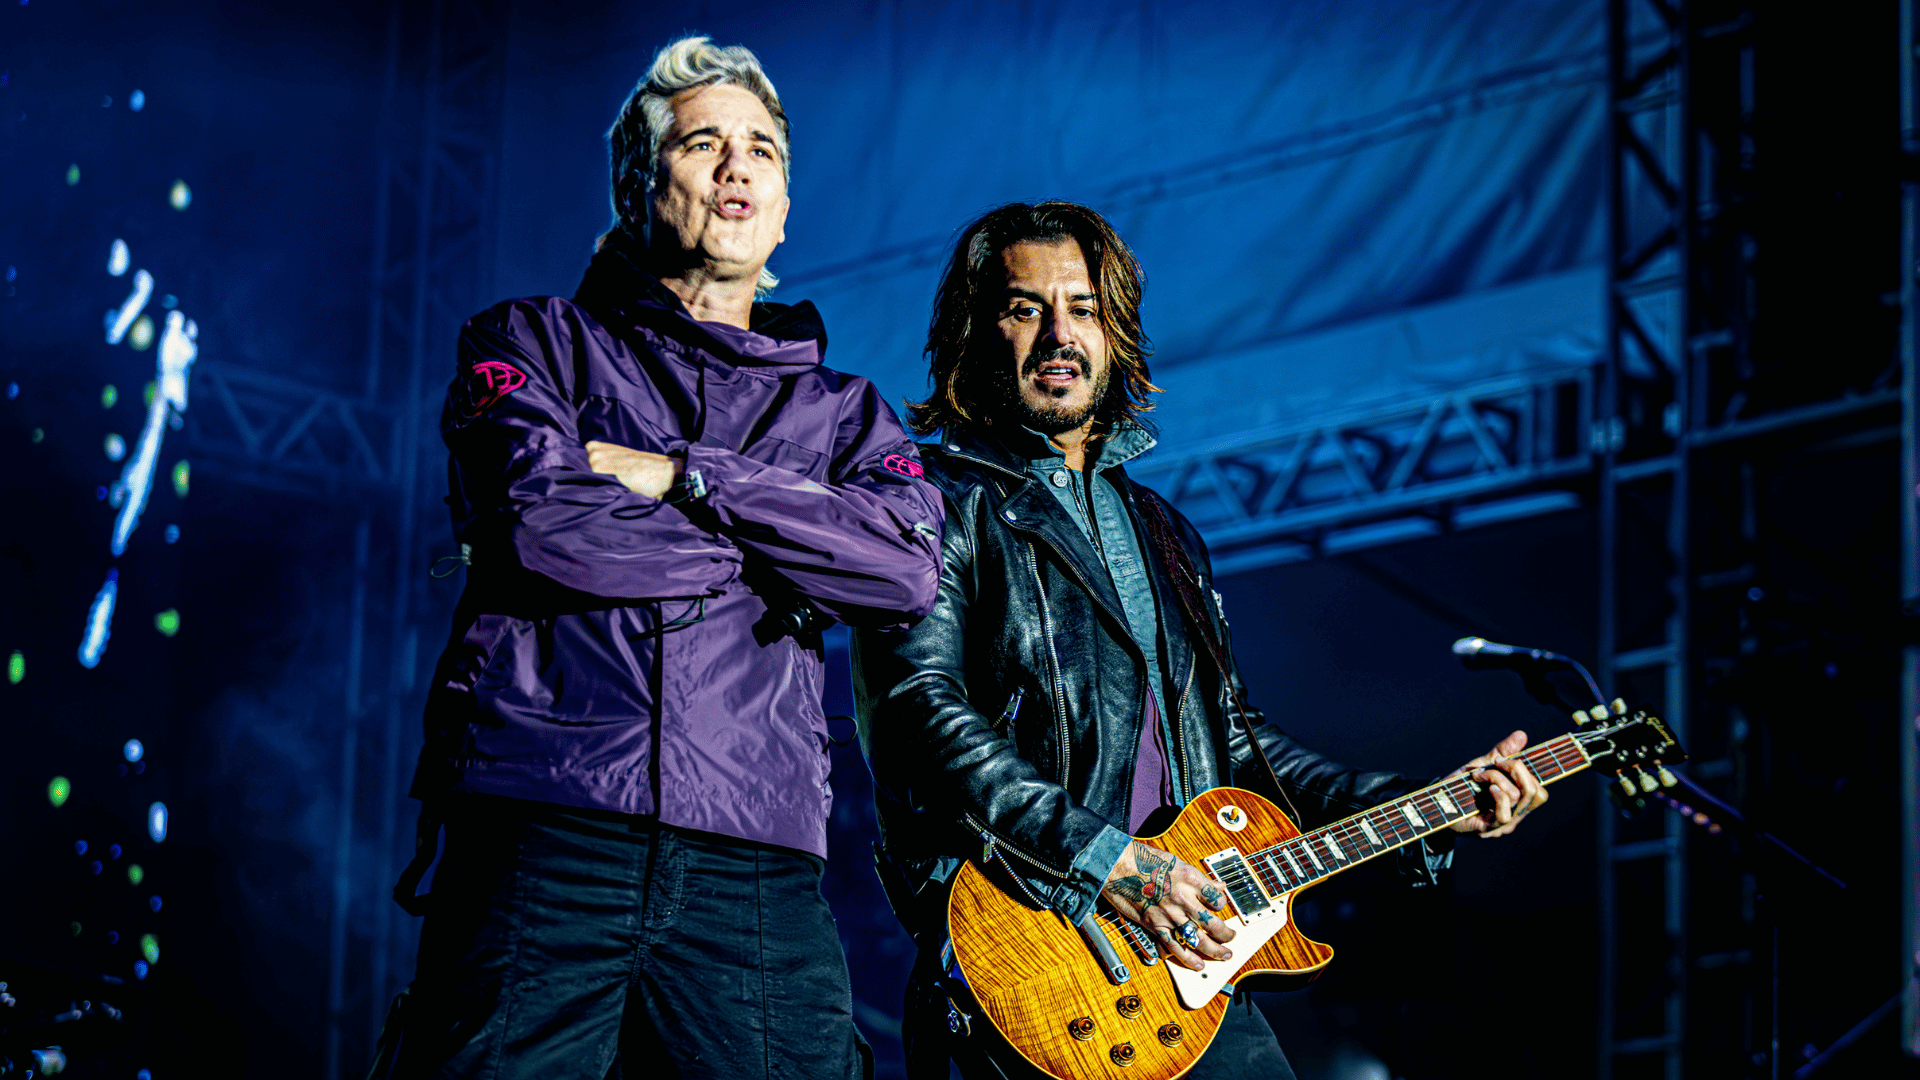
1077 1017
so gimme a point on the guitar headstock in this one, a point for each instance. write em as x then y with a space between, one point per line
1629 743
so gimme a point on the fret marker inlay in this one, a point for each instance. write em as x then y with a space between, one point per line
1367 827
1297 872
1413 818
1447 804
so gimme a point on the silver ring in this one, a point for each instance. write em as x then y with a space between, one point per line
1189 934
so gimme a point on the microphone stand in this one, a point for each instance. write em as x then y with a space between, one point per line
1703 808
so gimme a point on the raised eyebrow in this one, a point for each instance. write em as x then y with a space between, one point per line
696 133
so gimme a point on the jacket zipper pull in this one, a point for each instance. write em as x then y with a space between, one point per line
1012 710
986 846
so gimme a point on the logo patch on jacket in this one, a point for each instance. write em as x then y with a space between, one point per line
903 465
488 382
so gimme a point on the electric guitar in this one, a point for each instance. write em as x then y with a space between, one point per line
1097 1001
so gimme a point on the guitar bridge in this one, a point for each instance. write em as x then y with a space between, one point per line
1230 868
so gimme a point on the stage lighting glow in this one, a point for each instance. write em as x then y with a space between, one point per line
116 447
73 175
113 852
167 622
153 904
135 875
133 751
16 667
140 335
59 790
120 320
172 534
95 867
150 948
139 969
75 927
79 847
13 390
178 349
109 396
137 100
37 435
143 1074
181 196
100 621
118 258
157 824
146 394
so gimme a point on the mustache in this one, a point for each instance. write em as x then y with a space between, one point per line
1055 355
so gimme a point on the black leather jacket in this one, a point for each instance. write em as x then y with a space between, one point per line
1026 615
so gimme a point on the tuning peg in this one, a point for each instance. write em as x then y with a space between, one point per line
1619 706
1598 712
1626 784
1647 782
1579 717
1667 779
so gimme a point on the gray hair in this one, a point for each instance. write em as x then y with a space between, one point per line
690 63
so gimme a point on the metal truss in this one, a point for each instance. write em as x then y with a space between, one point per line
1338 484
268 432
1909 62
1694 410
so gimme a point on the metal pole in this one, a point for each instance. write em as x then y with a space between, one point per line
1909 528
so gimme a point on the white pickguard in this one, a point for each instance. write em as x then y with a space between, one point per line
1198 987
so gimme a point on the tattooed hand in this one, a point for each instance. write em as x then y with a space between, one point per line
1163 894
1512 789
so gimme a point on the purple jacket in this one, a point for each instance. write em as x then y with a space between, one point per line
617 652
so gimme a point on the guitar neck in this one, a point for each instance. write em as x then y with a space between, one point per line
1325 852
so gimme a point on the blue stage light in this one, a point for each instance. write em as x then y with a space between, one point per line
157 826
172 534
118 258
79 847
139 969
137 101
120 319
133 751
153 904
115 446
100 621
178 350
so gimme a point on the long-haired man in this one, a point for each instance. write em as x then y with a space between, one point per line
1076 673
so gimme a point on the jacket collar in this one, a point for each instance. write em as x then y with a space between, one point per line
783 339
1011 449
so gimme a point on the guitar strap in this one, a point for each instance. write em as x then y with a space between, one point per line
1186 588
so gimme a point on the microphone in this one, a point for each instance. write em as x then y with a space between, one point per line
1480 654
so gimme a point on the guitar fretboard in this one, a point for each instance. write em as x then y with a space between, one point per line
1324 852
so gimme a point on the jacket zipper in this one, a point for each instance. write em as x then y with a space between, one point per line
995 842
1053 658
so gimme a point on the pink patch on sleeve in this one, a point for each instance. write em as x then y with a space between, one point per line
903 465
488 382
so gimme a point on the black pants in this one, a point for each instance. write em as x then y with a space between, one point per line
1243 1049
567 944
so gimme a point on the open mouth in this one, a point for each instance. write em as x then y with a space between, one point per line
733 204
1057 374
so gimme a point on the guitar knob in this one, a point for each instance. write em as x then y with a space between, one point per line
1122 1054
1128 1007
1647 782
1170 1034
1667 779
1081 1028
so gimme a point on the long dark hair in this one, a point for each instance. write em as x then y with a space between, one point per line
968 392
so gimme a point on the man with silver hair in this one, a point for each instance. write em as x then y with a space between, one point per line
665 498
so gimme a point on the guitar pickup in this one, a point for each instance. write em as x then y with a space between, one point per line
1230 868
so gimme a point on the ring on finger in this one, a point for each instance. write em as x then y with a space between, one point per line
1189 935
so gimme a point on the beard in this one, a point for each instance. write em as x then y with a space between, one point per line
1057 419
